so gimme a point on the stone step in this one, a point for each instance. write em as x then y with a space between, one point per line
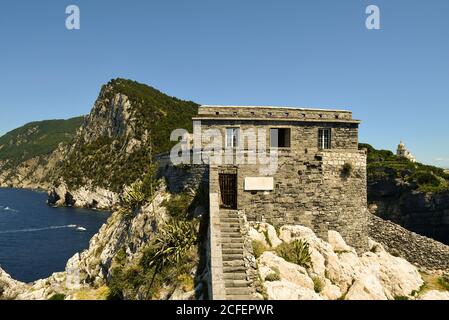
229 229
238 297
237 291
230 225
234 263
232 257
237 283
231 245
231 240
233 269
228 234
235 276
229 220
228 215
232 251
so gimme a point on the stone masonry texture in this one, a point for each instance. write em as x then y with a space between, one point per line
321 189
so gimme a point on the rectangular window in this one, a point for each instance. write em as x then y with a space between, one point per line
280 138
324 138
232 137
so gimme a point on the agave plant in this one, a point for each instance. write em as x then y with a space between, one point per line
133 196
173 243
296 252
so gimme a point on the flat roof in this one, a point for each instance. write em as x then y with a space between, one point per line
275 107
277 119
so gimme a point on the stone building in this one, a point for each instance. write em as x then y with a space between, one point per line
320 179
404 153
282 166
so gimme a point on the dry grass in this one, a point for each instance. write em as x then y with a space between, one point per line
431 282
101 293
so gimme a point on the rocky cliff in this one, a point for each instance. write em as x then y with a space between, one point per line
130 123
30 154
117 250
332 270
413 195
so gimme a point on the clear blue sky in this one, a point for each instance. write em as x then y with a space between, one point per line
314 53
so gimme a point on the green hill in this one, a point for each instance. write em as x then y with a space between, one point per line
119 140
383 165
36 139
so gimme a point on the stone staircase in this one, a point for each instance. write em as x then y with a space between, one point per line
234 269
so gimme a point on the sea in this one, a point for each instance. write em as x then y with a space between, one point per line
36 240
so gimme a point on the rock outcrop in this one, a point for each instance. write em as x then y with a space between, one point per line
417 249
336 270
95 197
91 269
424 213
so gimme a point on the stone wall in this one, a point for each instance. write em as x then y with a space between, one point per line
183 177
417 249
273 112
310 187
311 190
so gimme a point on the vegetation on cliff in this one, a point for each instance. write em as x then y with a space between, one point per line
171 260
116 157
36 139
384 165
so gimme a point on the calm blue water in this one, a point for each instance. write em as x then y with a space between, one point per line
37 240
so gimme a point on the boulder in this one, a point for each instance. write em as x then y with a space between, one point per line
434 295
337 243
9 288
398 277
330 291
290 272
366 287
284 290
265 233
254 235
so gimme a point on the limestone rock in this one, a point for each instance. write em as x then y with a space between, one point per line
398 277
290 272
330 291
9 288
265 233
434 295
284 290
337 242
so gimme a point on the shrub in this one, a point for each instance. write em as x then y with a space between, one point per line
401 298
178 205
425 178
176 238
443 281
186 281
318 285
347 169
57 296
267 238
273 277
296 252
259 248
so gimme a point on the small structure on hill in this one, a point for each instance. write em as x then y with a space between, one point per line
404 153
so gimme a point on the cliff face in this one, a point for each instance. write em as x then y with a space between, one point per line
413 195
30 154
424 213
88 162
118 248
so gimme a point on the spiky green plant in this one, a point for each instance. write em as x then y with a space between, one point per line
296 251
176 238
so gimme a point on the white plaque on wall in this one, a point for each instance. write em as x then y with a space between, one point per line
259 183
